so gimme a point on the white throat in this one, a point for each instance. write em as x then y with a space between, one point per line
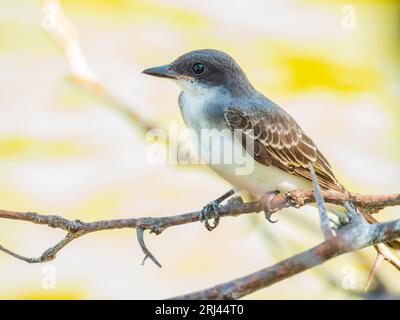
194 101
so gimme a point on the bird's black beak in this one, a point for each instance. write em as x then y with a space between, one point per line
167 71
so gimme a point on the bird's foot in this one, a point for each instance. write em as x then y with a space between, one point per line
338 220
209 211
342 219
266 205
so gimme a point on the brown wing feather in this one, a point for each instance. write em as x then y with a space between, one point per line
279 141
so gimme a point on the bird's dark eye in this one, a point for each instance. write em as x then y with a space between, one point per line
198 68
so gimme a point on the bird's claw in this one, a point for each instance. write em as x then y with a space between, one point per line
209 211
342 219
266 202
268 216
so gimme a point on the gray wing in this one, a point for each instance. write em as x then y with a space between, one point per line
277 140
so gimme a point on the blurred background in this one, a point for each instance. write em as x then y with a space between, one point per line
66 148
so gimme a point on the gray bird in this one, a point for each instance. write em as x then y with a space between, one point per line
216 94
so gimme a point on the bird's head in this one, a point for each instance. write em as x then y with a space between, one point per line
207 68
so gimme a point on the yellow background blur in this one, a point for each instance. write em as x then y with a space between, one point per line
63 152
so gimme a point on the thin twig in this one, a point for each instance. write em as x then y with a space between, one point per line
147 253
378 261
64 35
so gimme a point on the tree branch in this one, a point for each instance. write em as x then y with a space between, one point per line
355 236
77 228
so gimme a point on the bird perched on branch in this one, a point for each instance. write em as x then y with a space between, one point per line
216 95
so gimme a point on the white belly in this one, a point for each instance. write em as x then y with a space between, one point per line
250 174
229 159
225 155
